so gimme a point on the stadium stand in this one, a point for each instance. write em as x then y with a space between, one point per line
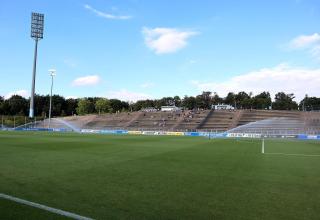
155 121
312 122
278 122
257 115
272 126
260 121
103 121
218 121
56 123
192 120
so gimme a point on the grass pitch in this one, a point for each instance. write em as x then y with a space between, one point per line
158 177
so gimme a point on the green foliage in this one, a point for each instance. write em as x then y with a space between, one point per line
310 104
85 106
284 102
189 102
102 105
70 107
115 105
142 104
165 101
17 105
262 101
204 100
177 101
230 99
243 100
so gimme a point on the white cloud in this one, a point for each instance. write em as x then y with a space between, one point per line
283 77
315 51
106 15
304 41
147 85
127 95
166 40
23 93
90 80
311 43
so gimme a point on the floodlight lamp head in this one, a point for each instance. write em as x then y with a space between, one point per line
52 72
37 24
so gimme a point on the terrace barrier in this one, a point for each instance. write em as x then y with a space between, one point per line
193 134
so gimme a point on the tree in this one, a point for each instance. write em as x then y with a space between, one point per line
125 106
41 105
137 106
204 100
262 101
165 101
216 99
142 104
230 99
189 102
284 102
116 105
243 100
102 105
18 105
85 106
309 104
177 101
1 105
70 107
58 105
6 108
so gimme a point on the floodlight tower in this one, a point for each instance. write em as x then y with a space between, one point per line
52 73
37 23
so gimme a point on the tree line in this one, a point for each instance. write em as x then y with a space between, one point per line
18 105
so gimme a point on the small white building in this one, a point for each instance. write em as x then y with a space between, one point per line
170 108
222 107
149 109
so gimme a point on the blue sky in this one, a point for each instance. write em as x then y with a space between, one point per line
135 49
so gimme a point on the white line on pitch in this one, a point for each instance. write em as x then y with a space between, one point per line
305 155
43 207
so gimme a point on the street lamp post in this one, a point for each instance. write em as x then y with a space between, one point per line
37 23
52 73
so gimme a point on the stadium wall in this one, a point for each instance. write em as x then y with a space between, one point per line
191 134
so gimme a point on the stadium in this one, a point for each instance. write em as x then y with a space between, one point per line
241 155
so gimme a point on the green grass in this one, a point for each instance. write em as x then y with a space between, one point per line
158 177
